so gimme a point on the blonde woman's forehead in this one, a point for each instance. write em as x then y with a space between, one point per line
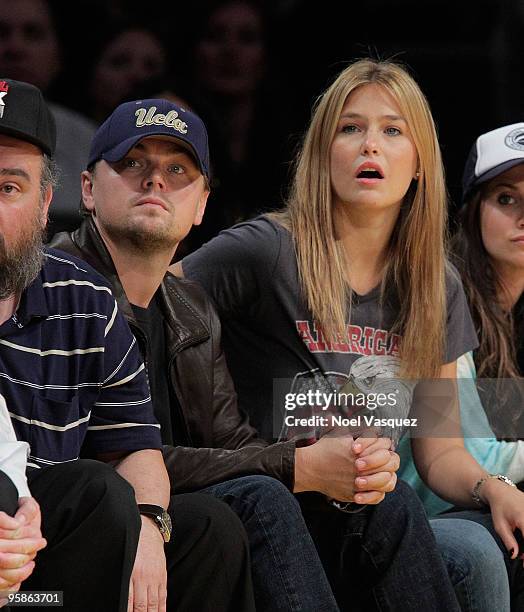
372 100
374 93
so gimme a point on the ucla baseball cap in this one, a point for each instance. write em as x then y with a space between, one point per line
25 115
132 121
492 154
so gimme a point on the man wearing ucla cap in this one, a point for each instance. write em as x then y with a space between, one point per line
132 121
146 185
71 376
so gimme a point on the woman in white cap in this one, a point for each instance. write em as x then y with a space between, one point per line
488 250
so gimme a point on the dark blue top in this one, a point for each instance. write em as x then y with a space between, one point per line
70 369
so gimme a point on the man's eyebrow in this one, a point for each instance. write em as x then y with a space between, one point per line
15 172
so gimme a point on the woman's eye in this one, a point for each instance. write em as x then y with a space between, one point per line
392 131
349 129
175 169
505 199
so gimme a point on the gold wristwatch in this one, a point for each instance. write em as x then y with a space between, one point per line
475 494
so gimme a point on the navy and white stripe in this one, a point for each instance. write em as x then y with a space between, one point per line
70 369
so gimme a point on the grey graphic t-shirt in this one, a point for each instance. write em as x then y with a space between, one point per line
283 367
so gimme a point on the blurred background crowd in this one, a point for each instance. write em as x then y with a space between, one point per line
252 70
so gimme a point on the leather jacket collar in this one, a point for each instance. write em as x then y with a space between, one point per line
187 326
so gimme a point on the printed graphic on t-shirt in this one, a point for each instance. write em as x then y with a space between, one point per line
359 340
368 395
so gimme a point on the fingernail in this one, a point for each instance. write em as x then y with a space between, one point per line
357 448
360 463
361 482
511 551
358 498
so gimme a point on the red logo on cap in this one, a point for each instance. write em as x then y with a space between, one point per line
4 86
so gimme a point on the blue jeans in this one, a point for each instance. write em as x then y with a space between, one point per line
382 558
475 565
287 572
514 569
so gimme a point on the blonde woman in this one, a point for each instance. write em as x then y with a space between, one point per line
346 289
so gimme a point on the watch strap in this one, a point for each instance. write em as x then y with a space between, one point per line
160 517
150 509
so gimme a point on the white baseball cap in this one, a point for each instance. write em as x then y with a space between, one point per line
492 154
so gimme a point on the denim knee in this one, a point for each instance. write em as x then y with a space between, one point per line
266 486
467 548
402 506
266 492
405 496
257 496
475 564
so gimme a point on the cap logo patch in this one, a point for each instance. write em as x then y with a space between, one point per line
151 117
4 88
515 139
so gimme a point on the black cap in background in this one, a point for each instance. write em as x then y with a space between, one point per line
25 115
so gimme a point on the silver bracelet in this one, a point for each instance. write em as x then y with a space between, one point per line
347 507
475 494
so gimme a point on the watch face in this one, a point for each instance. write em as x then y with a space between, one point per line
160 517
166 526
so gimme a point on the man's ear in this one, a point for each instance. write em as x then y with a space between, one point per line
87 190
45 205
201 208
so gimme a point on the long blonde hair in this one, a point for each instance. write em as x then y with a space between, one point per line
415 265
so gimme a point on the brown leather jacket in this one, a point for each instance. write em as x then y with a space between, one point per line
220 442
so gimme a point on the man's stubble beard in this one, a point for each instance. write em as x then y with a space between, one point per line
20 264
139 240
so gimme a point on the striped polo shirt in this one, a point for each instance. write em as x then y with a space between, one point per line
70 369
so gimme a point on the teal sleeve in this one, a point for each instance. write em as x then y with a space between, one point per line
494 455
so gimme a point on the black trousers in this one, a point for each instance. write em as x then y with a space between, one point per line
8 495
208 559
8 500
92 526
91 523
